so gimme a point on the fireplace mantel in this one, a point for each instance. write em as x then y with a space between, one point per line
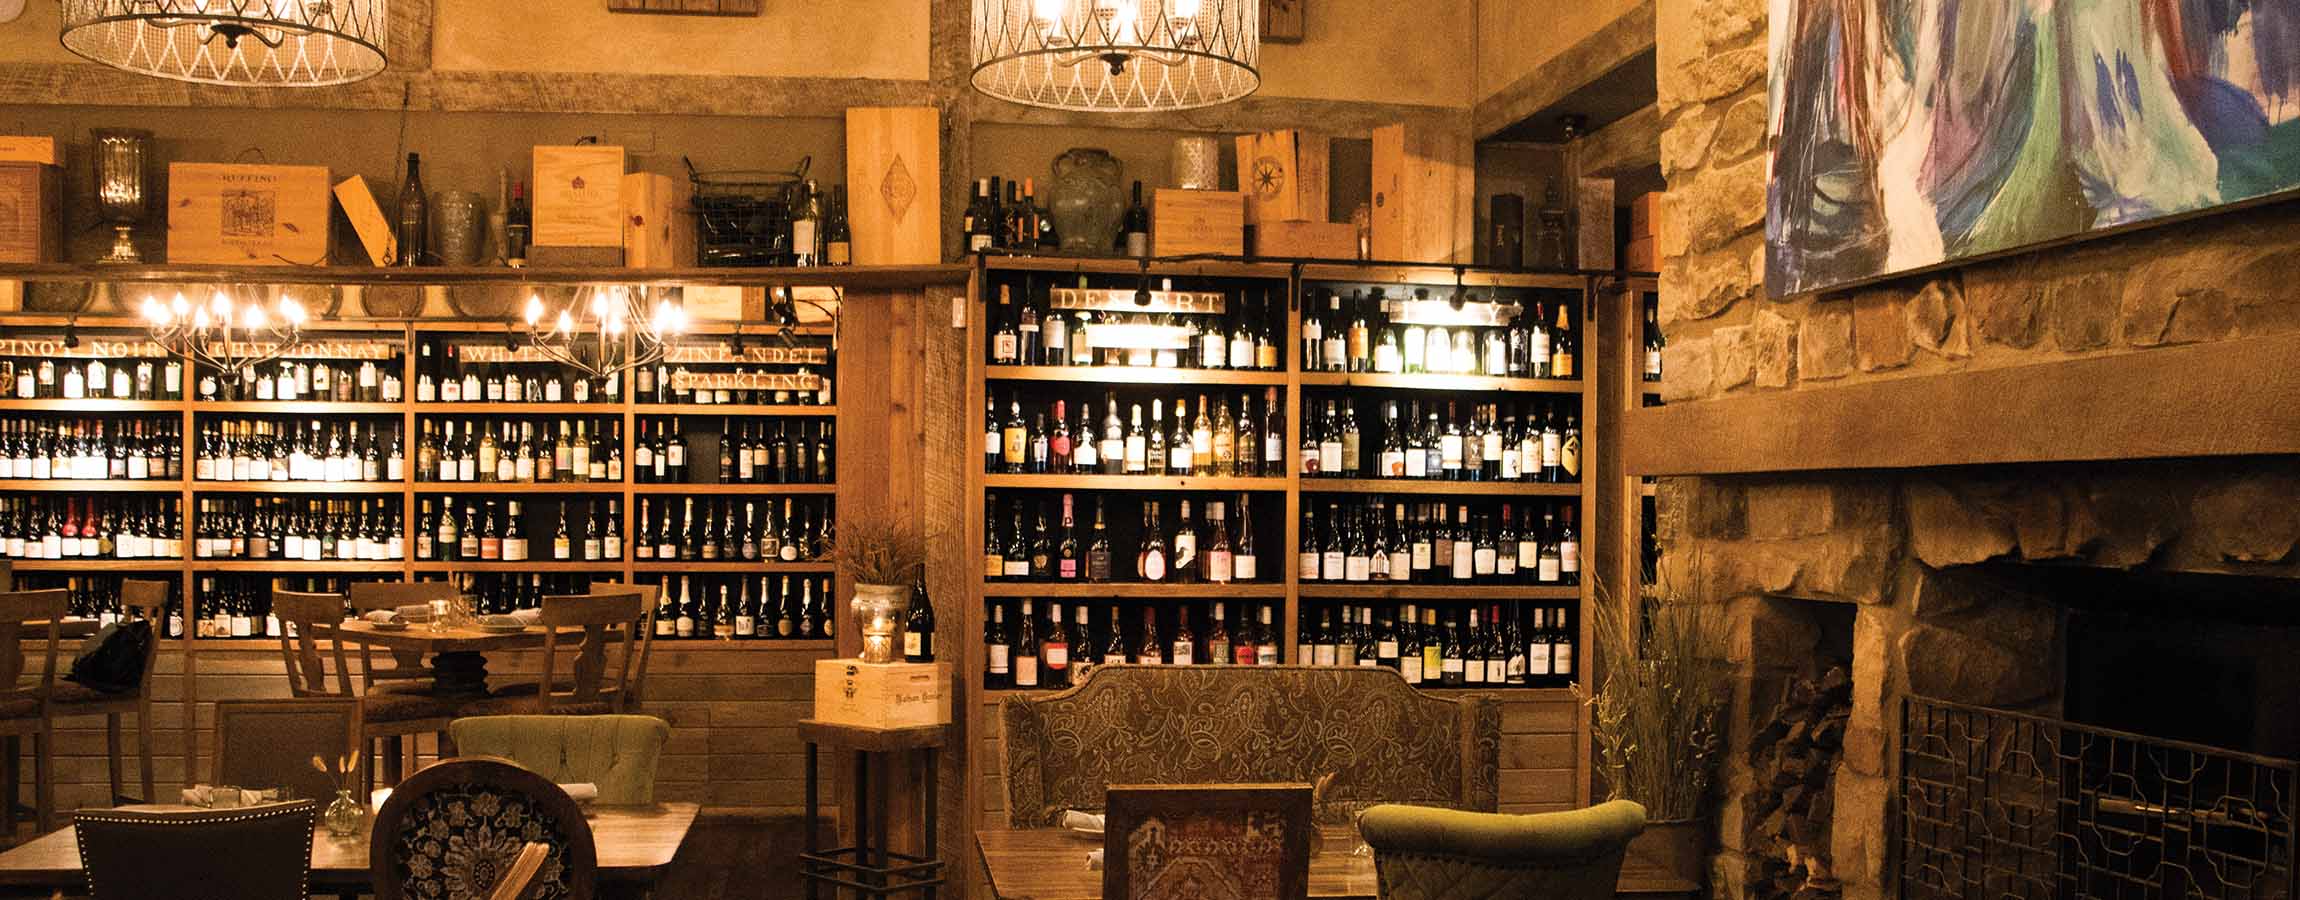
2227 398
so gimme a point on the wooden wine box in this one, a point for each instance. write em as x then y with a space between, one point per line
31 213
1183 223
658 232
249 215
1313 240
1423 203
1285 175
894 185
29 149
578 197
367 220
882 695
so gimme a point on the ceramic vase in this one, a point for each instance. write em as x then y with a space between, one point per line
1087 200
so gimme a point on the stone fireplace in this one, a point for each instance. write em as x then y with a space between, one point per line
2003 486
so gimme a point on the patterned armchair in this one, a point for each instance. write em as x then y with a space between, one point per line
1380 739
456 831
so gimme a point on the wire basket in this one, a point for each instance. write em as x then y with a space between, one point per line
743 216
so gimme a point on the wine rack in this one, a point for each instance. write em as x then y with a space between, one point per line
1248 342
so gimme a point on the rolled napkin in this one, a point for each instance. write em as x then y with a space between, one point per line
382 616
1076 820
581 791
1094 860
528 616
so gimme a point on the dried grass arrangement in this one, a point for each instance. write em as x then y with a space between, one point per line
1657 712
873 550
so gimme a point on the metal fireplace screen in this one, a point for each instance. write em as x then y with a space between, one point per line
2004 805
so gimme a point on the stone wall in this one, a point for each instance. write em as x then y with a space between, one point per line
1894 545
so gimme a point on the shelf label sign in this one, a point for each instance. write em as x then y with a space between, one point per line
1122 300
90 348
772 355
497 353
745 381
321 348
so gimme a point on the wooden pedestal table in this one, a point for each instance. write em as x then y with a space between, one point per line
871 869
458 655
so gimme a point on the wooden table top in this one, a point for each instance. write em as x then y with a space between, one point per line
420 637
1050 864
634 843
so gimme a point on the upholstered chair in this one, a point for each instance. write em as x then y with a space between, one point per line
1422 853
256 853
616 753
456 831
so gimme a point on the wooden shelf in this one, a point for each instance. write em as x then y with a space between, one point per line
1465 383
867 277
1539 694
524 565
715 489
1425 486
1443 276
295 566
1118 265
758 567
824 647
83 564
514 409
297 408
1389 591
298 487
106 486
1159 590
732 409
1132 483
90 407
1137 375
519 487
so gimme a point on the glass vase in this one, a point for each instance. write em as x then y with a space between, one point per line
345 817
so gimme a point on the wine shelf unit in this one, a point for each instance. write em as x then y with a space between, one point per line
1289 595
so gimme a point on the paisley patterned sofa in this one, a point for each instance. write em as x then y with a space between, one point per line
1382 740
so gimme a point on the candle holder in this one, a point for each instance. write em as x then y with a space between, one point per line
878 612
123 159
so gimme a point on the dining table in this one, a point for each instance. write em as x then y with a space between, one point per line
1050 864
458 652
634 844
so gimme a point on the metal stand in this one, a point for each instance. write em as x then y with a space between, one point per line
870 868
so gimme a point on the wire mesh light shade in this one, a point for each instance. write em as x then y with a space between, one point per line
259 43
1117 55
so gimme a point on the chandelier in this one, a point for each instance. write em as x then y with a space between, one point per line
254 43
1117 55
230 335
610 331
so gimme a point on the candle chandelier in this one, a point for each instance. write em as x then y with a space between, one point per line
1117 55
253 43
230 335
607 330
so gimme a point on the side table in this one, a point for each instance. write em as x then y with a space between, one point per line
871 868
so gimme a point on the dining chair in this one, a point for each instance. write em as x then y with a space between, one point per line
141 601
308 619
455 828
270 743
523 871
26 689
256 853
1174 842
636 694
407 671
618 754
1426 853
599 620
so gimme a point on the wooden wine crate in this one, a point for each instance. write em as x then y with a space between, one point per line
658 232
1640 256
894 185
1423 206
29 149
1645 215
1183 223
249 215
578 196
31 213
1285 175
889 695
367 220
1315 240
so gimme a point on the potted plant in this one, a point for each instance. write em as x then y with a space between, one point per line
881 558
1657 712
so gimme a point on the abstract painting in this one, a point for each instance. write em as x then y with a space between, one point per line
1909 133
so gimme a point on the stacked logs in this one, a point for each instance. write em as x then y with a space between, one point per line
1793 759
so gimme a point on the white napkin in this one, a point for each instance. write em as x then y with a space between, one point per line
515 619
528 616
1094 861
1076 820
581 791
382 616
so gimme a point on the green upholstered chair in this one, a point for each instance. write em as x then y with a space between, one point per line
616 753
1424 853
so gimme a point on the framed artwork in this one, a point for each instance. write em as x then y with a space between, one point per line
1904 136
1283 21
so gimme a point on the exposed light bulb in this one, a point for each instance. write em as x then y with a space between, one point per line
534 310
